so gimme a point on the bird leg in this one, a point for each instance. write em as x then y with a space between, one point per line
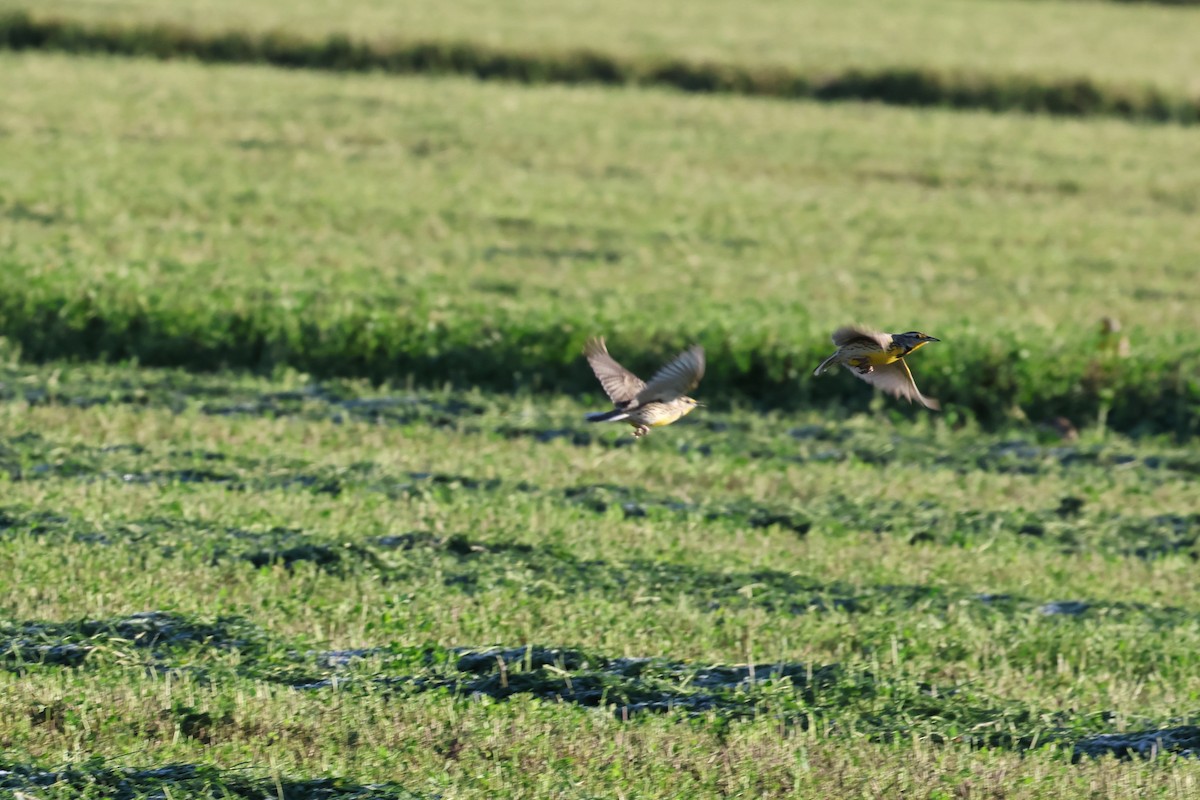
865 369
640 431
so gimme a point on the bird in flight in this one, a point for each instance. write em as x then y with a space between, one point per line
878 358
646 405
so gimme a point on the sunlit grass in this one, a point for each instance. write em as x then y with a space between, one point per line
1125 43
451 231
317 530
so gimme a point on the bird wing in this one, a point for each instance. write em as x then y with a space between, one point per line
897 380
848 334
619 384
676 378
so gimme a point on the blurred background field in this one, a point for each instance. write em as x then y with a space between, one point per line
1118 42
448 230
299 500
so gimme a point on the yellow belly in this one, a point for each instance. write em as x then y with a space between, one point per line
657 415
876 358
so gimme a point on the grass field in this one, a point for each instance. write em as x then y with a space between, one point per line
1108 41
337 575
449 230
298 499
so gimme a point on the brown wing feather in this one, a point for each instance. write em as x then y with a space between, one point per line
897 380
619 384
848 334
676 378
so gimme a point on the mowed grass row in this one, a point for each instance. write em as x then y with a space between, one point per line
450 231
222 570
905 85
1107 44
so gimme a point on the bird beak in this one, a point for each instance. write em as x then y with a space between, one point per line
699 404
932 339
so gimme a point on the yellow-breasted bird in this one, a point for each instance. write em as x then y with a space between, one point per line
646 405
878 358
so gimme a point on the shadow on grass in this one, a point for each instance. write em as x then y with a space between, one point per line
1183 740
339 401
846 700
632 686
161 634
97 778
1069 526
476 566
886 709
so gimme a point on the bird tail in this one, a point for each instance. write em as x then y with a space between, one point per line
929 402
607 416
824 365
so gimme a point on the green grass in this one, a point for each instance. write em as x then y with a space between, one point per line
1112 43
942 596
897 85
448 230
329 523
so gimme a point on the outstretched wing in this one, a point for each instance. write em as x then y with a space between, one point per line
677 378
848 334
896 379
619 384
